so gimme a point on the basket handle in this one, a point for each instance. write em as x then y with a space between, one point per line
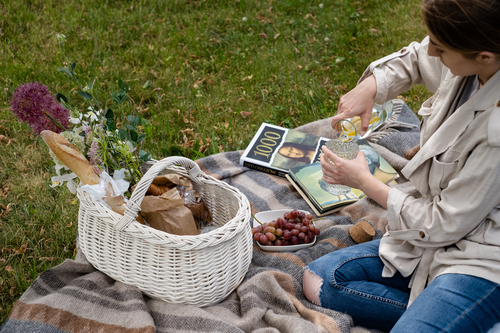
134 204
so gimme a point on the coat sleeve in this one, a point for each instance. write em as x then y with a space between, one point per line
399 71
460 208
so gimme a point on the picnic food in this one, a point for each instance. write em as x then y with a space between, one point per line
71 157
292 229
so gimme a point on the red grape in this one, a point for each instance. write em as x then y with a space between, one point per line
287 235
270 229
263 239
256 237
271 236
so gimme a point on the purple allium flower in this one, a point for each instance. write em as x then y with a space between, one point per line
29 103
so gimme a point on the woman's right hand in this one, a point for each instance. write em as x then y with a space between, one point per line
358 102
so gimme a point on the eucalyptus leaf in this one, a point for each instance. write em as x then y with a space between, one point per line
140 138
136 121
91 83
133 136
60 97
123 134
65 70
109 114
85 95
73 65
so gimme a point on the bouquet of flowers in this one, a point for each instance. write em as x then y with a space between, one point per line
95 131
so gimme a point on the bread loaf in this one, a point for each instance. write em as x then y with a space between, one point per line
71 157
78 163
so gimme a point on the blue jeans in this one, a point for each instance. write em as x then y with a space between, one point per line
353 284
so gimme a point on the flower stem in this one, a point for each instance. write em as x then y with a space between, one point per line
54 120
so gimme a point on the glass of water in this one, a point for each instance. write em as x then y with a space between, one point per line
343 145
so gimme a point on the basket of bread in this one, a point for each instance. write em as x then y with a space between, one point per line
199 269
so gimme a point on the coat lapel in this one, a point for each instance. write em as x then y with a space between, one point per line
451 129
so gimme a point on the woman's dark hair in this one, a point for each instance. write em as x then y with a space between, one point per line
302 147
468 26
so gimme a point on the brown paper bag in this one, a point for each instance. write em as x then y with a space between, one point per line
192 199
168 213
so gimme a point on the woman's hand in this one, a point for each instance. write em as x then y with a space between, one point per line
358 102
354 173
344 172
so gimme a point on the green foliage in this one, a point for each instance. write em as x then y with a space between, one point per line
192 68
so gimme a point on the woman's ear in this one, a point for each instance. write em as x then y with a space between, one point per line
485 57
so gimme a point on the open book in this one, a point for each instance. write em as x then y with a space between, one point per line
308 181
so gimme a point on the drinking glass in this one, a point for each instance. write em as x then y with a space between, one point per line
343 145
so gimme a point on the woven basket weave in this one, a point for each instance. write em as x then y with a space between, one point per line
199 270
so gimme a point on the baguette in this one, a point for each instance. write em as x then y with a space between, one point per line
71 157
78 163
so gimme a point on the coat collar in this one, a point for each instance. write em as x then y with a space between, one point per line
453 127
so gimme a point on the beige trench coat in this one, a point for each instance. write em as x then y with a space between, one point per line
455 226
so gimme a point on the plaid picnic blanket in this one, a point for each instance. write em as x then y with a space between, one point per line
75 297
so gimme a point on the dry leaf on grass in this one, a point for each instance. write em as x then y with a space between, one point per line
245 114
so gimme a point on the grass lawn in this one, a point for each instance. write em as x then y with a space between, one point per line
205 73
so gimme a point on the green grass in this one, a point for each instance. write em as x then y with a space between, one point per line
191 65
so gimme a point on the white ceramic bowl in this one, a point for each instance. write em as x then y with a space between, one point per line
268 216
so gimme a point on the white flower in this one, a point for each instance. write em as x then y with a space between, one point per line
60 38
130 146
93 114
320 5
327 39
244 19
67 177
87 89
76 120
199 95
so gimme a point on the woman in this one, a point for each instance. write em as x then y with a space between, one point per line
448 240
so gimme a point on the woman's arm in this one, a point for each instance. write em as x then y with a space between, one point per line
387 78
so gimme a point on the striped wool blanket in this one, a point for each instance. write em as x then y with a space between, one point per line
75 297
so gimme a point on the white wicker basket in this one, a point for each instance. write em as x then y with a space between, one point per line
199 270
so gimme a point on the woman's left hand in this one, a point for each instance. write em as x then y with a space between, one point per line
344 172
